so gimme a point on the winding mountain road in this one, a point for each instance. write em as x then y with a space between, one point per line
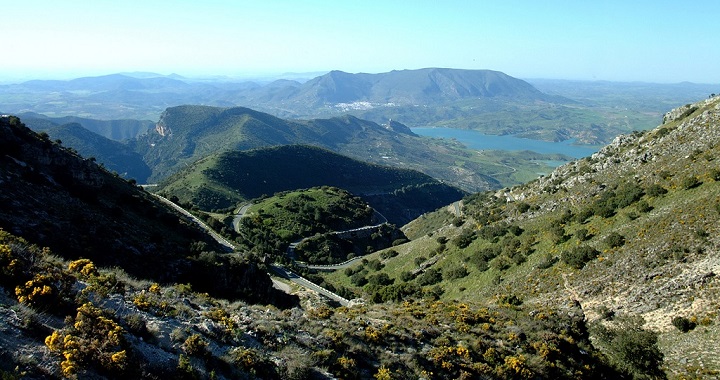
281 271
284 272
224 242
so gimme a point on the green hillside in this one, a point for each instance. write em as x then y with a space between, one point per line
312 217
186 134
629 234
226 179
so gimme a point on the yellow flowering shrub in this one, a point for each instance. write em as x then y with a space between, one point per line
383 373
195 345
94 339
155 288
346 363
38 292
8 262
84 267
222 317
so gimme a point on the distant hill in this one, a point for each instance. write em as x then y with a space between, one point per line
114 155
418 87
227 178
186 134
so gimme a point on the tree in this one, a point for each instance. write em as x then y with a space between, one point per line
630 348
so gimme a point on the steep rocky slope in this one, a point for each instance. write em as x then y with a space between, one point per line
630 232
57 199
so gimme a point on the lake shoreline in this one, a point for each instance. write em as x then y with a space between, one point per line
480 141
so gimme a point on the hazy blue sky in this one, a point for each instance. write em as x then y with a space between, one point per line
653 41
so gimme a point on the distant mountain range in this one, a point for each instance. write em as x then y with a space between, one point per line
484 100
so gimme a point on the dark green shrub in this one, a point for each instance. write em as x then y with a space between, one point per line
492 231
662 132
374 265
397 242
480 263
558 234
406 276
579 256
683 324
547 261
515 230
501 262
688 112
604 209
583 215
690 183
456 273
522 207
583 234
430 277
627 194
656 190
466 237
630 348
388 254
358 279
614 240
565 217
643 207
381 279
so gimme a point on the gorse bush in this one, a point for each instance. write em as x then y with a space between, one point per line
93 339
